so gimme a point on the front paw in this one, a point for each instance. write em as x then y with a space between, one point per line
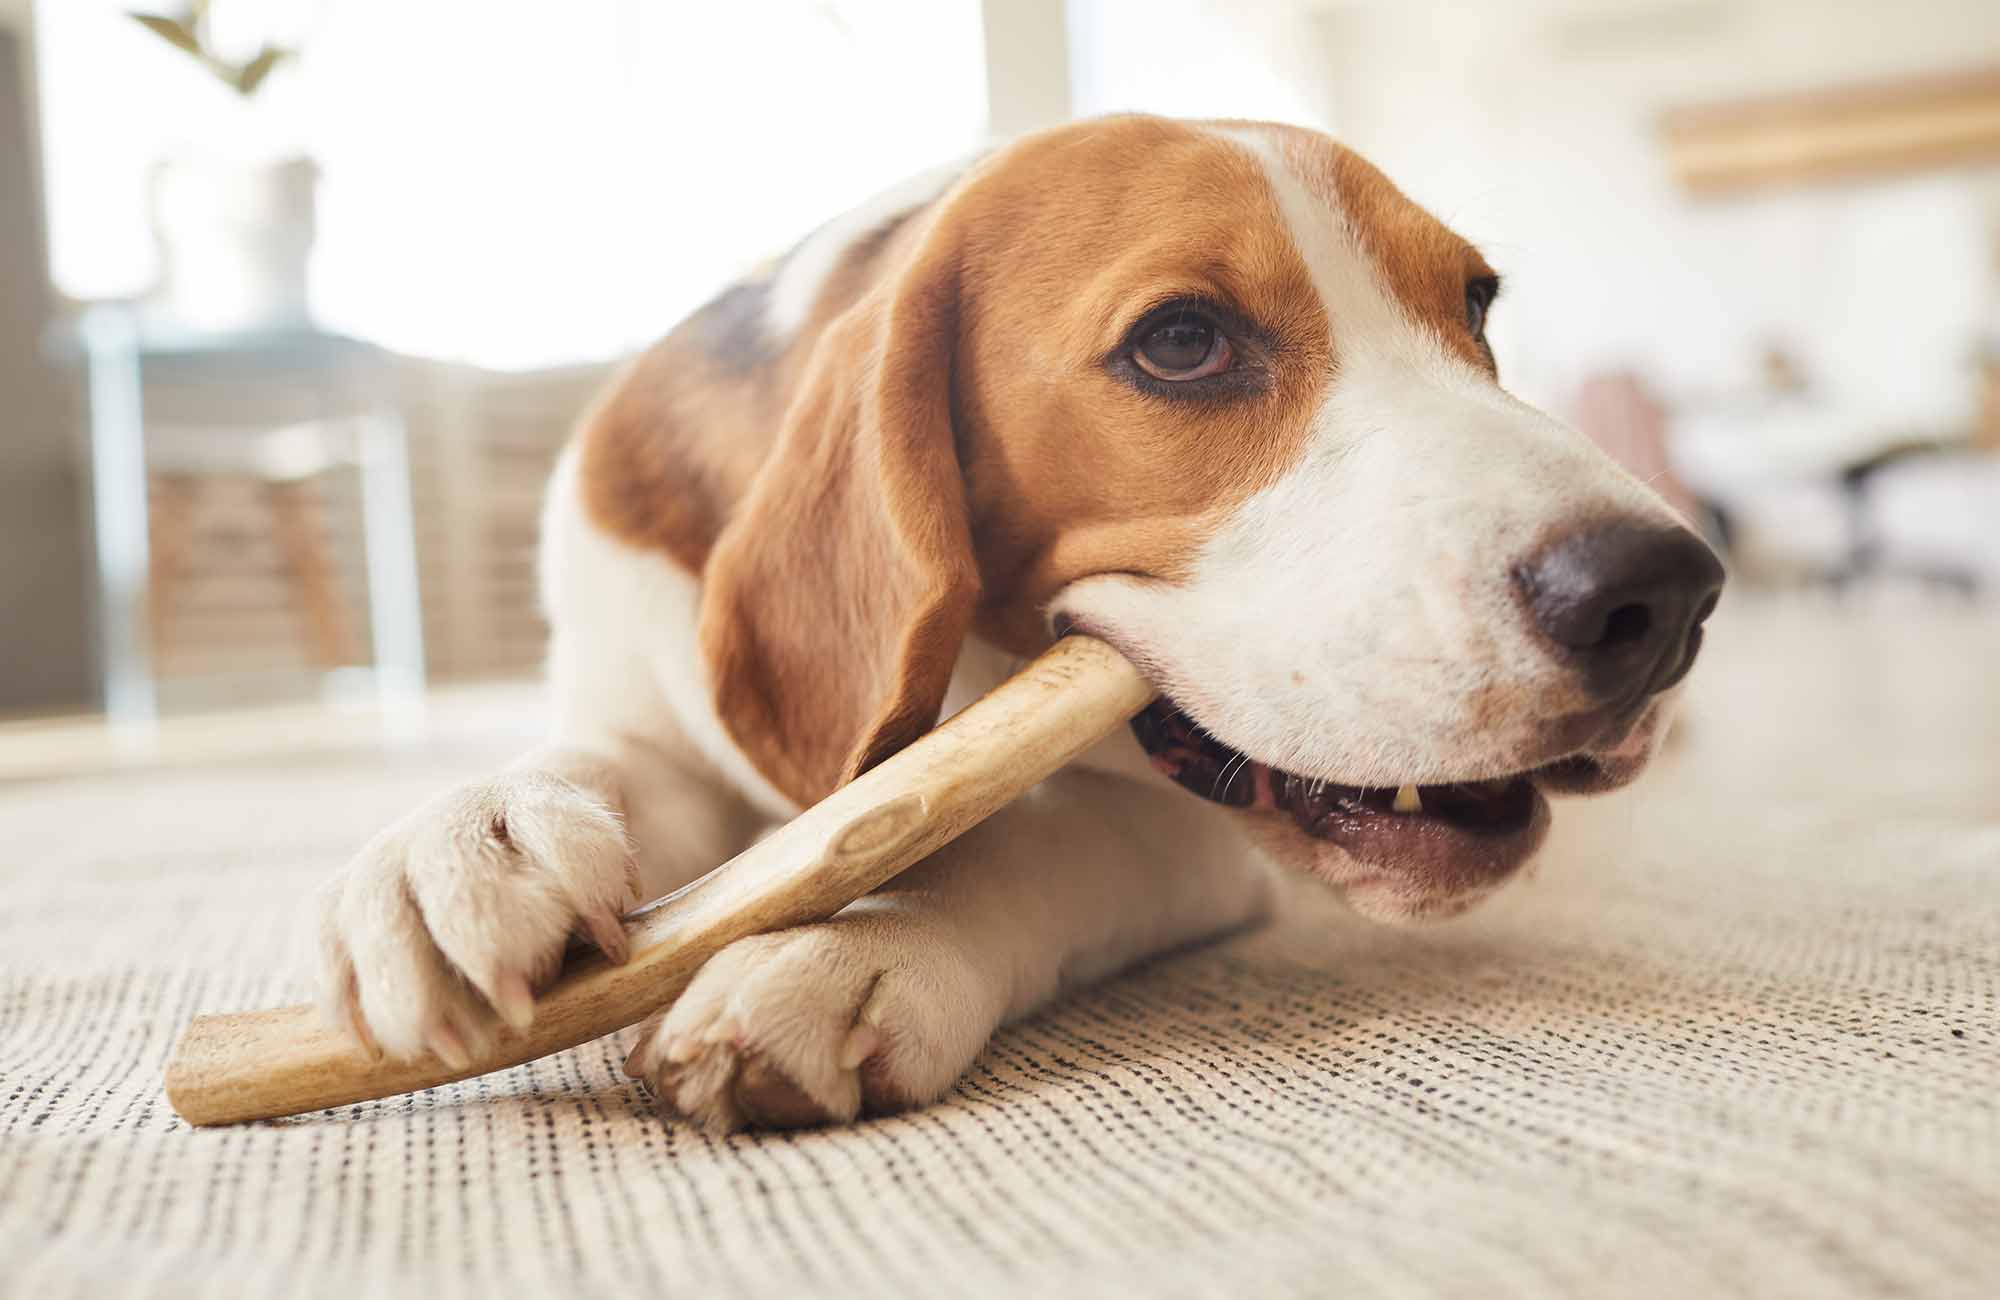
871 1012
446 923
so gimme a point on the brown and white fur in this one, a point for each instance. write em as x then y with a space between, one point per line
855 492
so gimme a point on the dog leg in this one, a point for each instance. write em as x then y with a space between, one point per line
885 1005
445 924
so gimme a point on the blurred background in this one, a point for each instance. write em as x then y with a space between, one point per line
298 298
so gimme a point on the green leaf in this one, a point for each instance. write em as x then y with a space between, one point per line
173 31
251 75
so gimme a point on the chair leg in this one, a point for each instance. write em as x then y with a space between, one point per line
316 583
173 498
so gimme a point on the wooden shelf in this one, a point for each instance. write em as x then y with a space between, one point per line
1849 133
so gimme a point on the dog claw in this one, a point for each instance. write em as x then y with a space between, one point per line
514 999
446 1044
863 1041
607 931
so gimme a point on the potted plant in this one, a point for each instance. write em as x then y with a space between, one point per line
234 217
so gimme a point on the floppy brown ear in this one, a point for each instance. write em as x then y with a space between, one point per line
836 599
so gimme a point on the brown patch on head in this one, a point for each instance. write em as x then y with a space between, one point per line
1071 469
958 433
1424 265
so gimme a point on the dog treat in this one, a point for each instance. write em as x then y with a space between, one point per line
264 1064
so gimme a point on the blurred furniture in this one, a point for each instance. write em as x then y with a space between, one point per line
1934 515
258 546
1615 410
1815 493
45 644
170 407
1986 430
1870 549
1839 134
482 443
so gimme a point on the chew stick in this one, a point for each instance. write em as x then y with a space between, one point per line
263 1064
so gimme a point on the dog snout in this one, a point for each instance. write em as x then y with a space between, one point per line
1624 603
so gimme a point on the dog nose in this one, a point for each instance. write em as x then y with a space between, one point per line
1625 603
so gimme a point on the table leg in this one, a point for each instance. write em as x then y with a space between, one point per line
395 606
118 501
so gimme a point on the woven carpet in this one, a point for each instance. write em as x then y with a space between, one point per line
1739 1035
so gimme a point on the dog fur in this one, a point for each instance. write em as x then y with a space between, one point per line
851 494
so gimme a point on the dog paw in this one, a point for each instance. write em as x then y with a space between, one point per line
872 1012
443 927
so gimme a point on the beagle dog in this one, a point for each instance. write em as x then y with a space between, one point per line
1215 392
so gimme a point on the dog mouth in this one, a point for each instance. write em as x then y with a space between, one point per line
1457 835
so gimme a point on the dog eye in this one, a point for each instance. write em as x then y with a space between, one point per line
1479 295
1184 345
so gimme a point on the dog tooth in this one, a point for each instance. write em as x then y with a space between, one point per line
1408 800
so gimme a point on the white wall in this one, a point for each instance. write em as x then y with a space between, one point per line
1027 66
1533 129
1531 125
1198 58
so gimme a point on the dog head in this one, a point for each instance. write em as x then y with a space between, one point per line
1221 395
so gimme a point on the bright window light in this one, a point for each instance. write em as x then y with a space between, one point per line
516 184
1194 58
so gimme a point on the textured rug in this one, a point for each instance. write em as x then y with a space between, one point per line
1740 1035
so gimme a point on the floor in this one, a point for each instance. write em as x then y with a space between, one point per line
1738 1034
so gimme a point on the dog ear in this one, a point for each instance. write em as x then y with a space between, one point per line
837 597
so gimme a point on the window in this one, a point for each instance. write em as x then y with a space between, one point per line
518 184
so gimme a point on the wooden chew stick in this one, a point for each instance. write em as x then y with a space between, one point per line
263 1064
